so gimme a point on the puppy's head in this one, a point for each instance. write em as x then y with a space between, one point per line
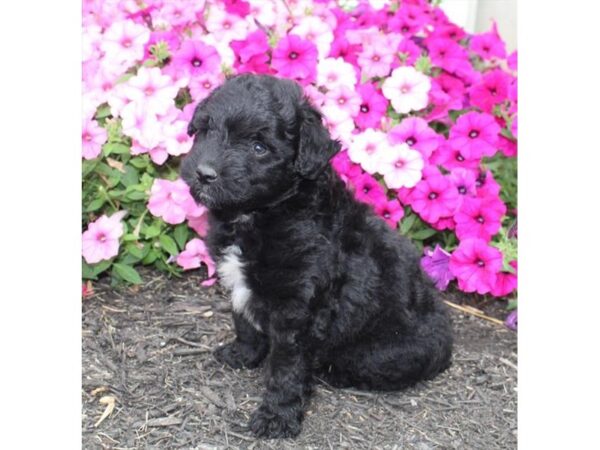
255 138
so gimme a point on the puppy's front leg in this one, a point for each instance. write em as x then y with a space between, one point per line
247 350
287 380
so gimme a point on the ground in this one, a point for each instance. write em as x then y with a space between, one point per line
147 356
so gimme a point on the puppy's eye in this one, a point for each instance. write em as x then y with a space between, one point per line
259 149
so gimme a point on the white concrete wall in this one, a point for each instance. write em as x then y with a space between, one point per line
475 16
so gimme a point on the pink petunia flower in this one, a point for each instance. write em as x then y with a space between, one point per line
169 38
447 54
252 53
451 157
170 200
314 29
434 197
391 211
238 7
506 282
486 185
488 45
201 86
415 132
194 255
435 263
447 93
335 72
367 189
408 52
101 239
476 134
400 166
198 220
225 27
492 90
479 218
93 136
295 58
407 89
124 42
366 147
152 89
345 168
194 58
341 103
372 108
465 182
476 265
375 61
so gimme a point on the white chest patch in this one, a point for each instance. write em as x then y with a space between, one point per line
232 277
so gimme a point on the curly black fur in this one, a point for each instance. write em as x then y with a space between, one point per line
321 287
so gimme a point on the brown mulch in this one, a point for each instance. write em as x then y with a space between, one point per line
147 355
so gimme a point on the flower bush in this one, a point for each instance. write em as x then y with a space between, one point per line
426 114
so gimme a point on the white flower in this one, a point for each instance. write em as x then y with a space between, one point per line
400 166
334 72
407 89
367 147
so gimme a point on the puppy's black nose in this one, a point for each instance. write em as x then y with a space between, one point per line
206 174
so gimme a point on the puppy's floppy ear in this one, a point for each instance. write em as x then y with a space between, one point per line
194 124
315 146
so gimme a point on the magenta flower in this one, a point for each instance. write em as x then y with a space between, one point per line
252 53
479 218
295 58
451 157
170 200
476 134
434 197
492 90
238 7
408 52
488 45
372 107
194 58
367 189
446 53
435 263
170 38
101 240
92 138
415 132
506 283
486 185
391 211
475 265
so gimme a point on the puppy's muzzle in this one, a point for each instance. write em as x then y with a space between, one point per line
205 174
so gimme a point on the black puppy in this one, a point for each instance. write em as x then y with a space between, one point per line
320 285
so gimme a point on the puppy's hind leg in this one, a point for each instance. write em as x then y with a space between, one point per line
249 348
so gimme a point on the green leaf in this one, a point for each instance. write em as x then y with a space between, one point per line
151 231
103 111
136 195
423 64
115 148
91 271
181 234
95 205
139 162
512 305
135 251
130 177
421 235
87 271
150 257
126 273
168 244
407 223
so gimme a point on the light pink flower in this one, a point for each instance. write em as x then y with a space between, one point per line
313 29
334 72
342 103
92 138
124 41
407 89
155 91
198 220
366 148
101 240
375 61
171 200
400 166
225 27
194 254
141 125
177 141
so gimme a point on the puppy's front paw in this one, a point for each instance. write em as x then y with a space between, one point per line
275 424
238 355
